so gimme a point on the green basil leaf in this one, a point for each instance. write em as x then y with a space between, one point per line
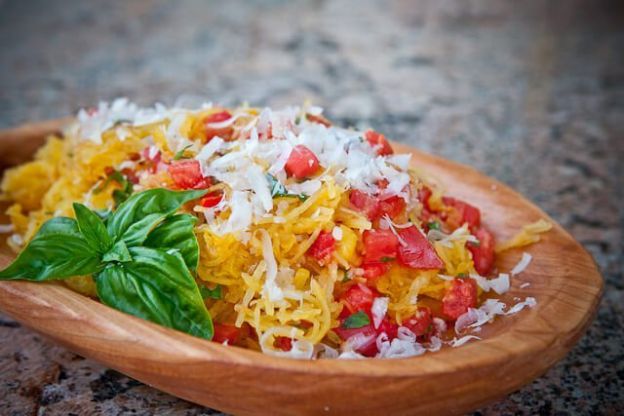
177 232
210 293
357 320
156 286
57 251
180 153
136 217
433 225
279 191
118 253
92 228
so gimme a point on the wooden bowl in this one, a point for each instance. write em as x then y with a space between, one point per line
515 349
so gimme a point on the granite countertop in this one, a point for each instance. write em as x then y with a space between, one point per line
529 92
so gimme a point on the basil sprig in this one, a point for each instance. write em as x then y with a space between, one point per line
141 257
278 190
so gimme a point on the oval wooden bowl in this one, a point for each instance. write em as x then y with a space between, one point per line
515 350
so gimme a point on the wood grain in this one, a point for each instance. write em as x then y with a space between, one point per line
515 350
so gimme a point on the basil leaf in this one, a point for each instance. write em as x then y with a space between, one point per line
180 153
433 225
176 232
119 253
357 320
278 190
57 251
210 293
156 286
92 228
135 218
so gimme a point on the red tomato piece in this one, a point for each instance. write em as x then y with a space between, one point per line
225 332
358 298
463 213
186 174
372 271
483 253
421 322
318 119
393 206
459 297
365 203
218 117
379 246
379 142
152 160
389 328
301 163
323 247
283 343
211 200
369 348
424 194
417 252
130 175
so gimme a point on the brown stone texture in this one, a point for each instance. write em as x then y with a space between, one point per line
530 92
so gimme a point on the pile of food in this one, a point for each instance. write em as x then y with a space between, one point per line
271 230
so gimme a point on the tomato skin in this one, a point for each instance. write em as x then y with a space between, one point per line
186 174
462 213
153 161
417 252
283 343
459 297
223 132
211 200
393 206
379 246
379 142
301 163
319 119
369 349
391 329
323 247
421 323
365 203
483 254
225 332
358 298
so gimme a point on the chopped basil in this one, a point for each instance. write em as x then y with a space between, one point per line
433 225
357 320
345 277
278 190
180 153
387 259
119 195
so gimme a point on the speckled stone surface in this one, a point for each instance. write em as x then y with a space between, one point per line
529 92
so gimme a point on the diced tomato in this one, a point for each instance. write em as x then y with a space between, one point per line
371 271
382 183
462 213
211 131
130 175
379 246
365 203
301 163
225 332
417 252
186 174
393 206
389 328
318 119
358 298
369 348
421 322
424 194
283 343
379 142
459 297
323 247
483 253
211 200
